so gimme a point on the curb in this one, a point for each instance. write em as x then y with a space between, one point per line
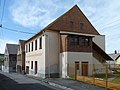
51 83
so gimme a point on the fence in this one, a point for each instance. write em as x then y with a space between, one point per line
105 75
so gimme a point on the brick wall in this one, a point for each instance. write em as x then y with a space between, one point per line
76 16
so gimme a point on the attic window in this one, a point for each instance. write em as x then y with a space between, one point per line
71 24
81 25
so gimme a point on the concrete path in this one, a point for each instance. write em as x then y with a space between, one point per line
68 84
13 81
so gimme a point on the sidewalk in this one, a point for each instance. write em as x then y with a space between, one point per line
68 84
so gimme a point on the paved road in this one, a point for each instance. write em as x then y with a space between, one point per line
20 82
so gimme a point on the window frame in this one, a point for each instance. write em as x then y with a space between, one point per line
32 46
85 42
74 40
81 25
31 64
36 44
40 43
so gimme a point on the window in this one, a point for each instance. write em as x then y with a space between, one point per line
40 42
81 25
26 49
77 65
85 41
74 40
32 47
35 44
14 58
29 47
31 64
71 24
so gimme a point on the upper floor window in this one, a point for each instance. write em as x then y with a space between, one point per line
40 42
85 41
36 44
81 25
71 24
29 47
13 58
26 49
32 46
74 40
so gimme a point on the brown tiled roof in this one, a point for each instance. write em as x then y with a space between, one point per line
101 52
55 25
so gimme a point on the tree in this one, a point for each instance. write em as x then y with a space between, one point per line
2 58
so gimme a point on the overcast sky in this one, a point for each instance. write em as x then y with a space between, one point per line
34 15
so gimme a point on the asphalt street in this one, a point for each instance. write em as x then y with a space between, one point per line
20 82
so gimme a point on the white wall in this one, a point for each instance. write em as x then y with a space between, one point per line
100 41
52 52
47 57
118 61
36 55
69 62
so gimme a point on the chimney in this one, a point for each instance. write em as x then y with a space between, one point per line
115 52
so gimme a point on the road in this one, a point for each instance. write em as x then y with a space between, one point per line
15 81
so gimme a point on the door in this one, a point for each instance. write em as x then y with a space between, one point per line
27 69
35 67
76 69
84 68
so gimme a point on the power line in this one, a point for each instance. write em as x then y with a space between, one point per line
16 30
3 11
0 2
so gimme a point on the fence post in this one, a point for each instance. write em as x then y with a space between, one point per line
106 75
93 74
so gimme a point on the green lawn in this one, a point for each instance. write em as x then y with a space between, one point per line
103 76
116 80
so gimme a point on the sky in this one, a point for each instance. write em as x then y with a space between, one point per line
33 15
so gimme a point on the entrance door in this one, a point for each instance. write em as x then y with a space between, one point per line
27 69
84 68
35 67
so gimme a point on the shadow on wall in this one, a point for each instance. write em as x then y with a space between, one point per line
9 84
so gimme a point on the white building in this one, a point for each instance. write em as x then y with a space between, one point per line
69 40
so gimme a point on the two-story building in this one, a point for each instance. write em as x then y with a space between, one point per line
10 58
71 39
21 57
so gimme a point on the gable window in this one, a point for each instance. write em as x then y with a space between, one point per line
32 47
71 24
36 44
29 47
74 40
40 42
85 41
81 25
31 64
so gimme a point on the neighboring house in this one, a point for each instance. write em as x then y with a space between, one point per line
1 60
10 57
21 57
71 39
116 60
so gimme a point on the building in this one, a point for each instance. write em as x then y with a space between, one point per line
10 58
1 60
71 39
21 57
116 60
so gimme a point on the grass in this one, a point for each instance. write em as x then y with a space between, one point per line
116 80
116 72
103 76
